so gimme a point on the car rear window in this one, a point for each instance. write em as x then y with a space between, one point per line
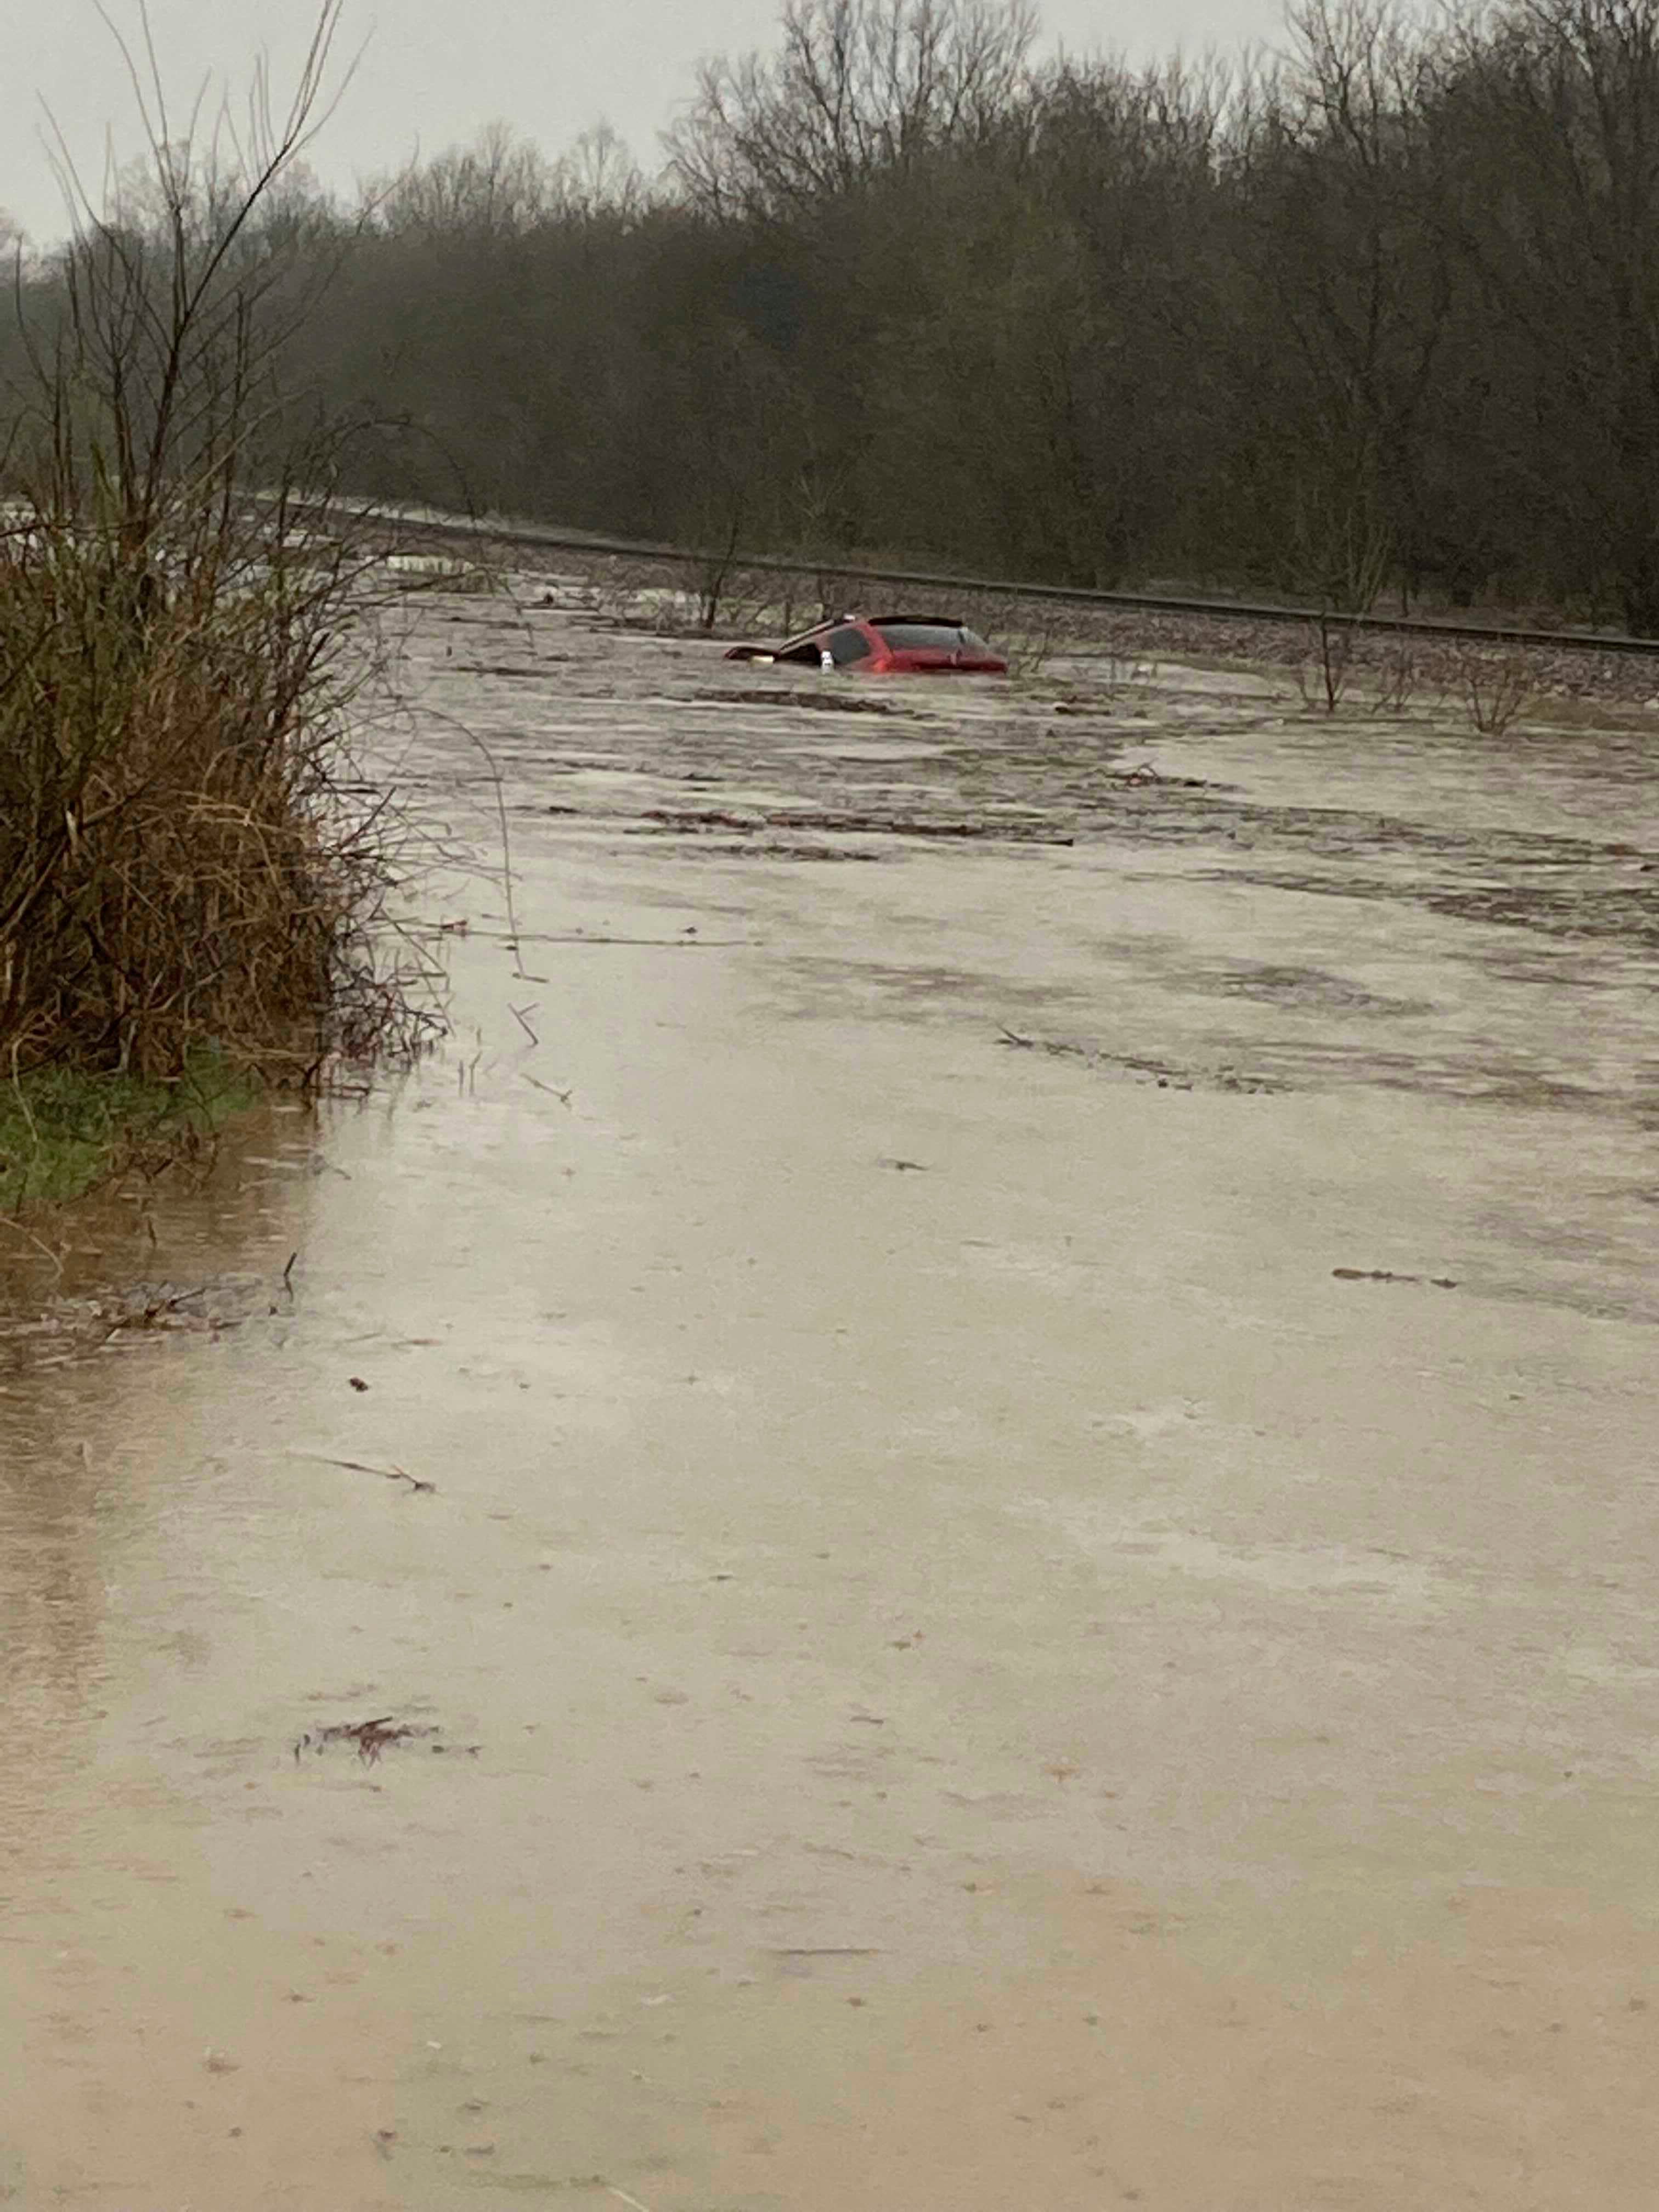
932 637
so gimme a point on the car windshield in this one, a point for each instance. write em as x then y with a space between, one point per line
932 637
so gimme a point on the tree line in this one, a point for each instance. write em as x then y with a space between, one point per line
1375 316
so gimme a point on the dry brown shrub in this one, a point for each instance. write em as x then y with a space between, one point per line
1396 678
181 864
1323 672
1496 684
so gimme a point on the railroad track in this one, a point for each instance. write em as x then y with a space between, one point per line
549 538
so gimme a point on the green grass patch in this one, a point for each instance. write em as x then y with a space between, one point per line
62 1133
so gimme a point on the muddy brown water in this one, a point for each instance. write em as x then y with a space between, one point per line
951 1661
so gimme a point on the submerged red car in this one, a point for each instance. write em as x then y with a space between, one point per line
886 644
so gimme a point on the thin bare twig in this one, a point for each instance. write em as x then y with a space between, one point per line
453 722
361 1467
564 1096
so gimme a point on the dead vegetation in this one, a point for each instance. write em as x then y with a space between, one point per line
1492 685
1395 677
416 1487
135 1311
1496 685
182 868
1327 663
1388 1275
370 1738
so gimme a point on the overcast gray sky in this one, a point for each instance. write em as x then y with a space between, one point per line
434 71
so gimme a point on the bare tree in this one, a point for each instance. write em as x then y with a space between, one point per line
499 186
599 180
857 88
1381 310
1547 122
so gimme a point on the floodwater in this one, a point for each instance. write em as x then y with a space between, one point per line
1032 1333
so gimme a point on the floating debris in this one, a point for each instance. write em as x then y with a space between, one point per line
371 1737
1164 1073
1388 1275
393 1474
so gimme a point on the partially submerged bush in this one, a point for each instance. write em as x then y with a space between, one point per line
1323 670
1497 683
175 862
179 867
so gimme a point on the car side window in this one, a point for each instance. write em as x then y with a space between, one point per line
848 644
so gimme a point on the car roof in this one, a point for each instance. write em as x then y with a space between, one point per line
930 621
868 622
